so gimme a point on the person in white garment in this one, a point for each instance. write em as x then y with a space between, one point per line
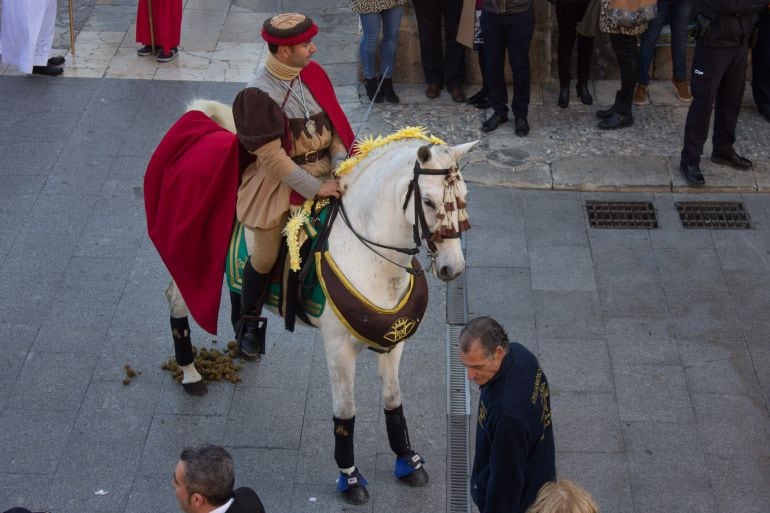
26 36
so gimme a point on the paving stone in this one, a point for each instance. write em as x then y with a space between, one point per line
499 247
19 193
389 494
667 468
73 327
261 429
741 482
218 401
652 393
286 364
603 475
568 314
647 341
562 268
750 307
514 284
144 354
742 259
32 441
153 492
555 220
577 365
695 315
324 498
52 381
23 490
169 434
586 422
88 467
625 173
732 424
88 279
683 270
24 158
719 178
16 341
719 367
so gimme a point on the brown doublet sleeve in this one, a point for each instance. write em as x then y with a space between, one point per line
258 119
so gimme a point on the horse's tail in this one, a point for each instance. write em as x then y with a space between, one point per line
219 112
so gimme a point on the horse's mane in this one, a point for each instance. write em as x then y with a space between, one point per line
367 145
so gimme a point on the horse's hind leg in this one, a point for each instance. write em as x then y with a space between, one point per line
409 465
192 381
341 353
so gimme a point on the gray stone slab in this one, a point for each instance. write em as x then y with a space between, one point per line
603 475
286 407
87 468
668 468
760 355
153 493
324 498
498 208
23 490
568 314
169 434
742 258
646 341
750 307
626 299
732 424
555 220
761 173
562 268
286 363
719 367
498 169
52 381
143 353
507 295
16 340
217 402
19 193
577 365
88 279
32 442
498 247
601 173
741 481
389 494
24 158
128 170
683 269
718 178
652 393
74 327
710 317
586 422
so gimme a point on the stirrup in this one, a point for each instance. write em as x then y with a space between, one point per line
252 326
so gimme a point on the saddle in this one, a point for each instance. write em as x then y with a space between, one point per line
305 278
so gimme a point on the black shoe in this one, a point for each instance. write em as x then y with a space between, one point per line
616 120
692 174
564 97
388 92
477 98
493 122
146 50
483 104
604 114
167 57
251 336
733 160
584 95
50 71
764 111
56 61
522 127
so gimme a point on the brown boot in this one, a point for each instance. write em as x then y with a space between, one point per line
682 89
640 94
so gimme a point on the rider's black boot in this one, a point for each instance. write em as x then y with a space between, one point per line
252 328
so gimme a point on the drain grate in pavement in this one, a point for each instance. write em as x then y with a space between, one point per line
621 214
714 215
458 428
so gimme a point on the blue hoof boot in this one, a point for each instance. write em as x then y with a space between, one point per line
353 487
410 470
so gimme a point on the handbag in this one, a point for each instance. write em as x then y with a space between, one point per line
632 13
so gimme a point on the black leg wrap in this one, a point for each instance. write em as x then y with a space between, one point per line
180 330
235 310
343 442
398 434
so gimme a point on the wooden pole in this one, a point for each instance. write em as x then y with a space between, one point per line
72 30
152 28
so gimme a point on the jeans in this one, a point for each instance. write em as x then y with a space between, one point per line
568 15
390 19
681 12
628 61
514 33
443 63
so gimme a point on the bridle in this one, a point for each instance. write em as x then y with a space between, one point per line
420 228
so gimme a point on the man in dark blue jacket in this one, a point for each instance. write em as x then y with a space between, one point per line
514 436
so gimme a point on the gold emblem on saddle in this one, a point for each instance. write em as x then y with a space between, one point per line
400 329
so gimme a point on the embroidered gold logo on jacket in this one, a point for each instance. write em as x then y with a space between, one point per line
400 329
482 414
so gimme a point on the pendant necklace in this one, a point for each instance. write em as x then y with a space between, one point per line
309 123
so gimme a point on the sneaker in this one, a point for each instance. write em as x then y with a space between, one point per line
167 57
682 89
146 50
640 94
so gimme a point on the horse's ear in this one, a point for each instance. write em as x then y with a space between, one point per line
423 154
462 149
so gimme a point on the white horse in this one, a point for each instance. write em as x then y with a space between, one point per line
379 207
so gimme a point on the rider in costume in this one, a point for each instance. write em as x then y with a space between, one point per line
291 124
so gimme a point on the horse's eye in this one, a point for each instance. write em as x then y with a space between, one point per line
429 203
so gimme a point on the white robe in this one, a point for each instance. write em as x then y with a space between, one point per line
27 32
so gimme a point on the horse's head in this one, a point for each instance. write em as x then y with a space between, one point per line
440 211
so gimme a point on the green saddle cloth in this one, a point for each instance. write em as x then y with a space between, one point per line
311 296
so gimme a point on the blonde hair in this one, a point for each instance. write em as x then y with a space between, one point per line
563 496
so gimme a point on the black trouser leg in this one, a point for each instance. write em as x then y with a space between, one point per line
566 17
760 63
343 442
428 14
493 32
727 106
518 37
627 54
454 52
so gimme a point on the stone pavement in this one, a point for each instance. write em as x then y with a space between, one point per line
654 341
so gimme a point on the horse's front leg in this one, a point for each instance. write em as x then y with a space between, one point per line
409 465
341 353
192 381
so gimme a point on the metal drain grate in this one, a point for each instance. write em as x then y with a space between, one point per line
458 427
456 310
714 215
619 214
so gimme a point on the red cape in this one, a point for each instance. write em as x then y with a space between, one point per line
190 190
166 20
